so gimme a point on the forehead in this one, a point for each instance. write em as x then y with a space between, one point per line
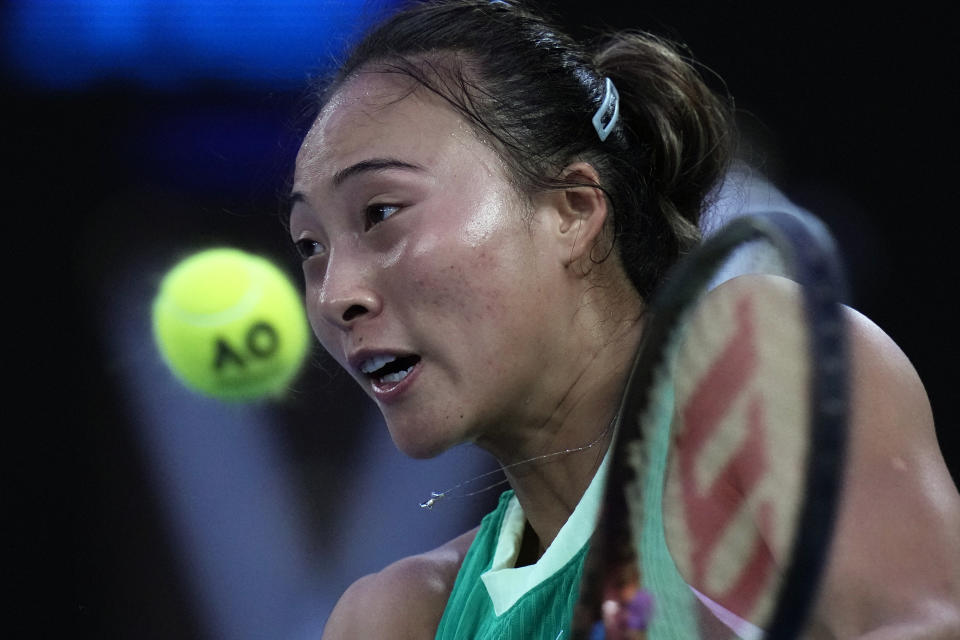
381 115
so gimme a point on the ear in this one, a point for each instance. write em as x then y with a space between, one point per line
578 214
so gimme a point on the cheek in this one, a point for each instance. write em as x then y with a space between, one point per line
473 305
473 248
463 281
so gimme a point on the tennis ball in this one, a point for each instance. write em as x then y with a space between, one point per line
230 325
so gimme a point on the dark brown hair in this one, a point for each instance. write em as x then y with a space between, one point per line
532 91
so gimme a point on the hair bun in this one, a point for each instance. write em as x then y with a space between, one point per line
680 131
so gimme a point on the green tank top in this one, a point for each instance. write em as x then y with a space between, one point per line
541 613
537 603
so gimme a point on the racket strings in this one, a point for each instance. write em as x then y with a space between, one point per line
436 496
715 477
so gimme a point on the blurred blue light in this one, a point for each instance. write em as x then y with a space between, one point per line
172 44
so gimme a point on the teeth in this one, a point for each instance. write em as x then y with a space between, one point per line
375 363
395 377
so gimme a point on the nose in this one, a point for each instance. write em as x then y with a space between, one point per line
347 296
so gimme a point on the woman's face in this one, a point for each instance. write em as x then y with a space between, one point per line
424 278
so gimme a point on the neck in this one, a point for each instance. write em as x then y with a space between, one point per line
550 489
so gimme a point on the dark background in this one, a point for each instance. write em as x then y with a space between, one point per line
852 114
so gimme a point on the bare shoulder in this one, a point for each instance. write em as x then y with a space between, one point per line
404 600
895 561
892 429
891 411
896 556
894 569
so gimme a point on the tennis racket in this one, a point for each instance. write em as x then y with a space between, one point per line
724 477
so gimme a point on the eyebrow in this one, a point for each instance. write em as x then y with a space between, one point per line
364 166
373 164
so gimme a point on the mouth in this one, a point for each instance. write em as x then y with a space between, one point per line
387 372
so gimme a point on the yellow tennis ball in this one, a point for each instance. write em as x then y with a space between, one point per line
230 325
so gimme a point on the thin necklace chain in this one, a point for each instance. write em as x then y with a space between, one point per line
436 496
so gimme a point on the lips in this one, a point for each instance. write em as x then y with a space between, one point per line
388 373
389 368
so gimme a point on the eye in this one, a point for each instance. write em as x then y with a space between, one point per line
307 248
374 214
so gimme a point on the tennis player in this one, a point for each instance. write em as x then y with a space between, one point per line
482 207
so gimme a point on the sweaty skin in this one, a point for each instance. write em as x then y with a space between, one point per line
894 565
417 246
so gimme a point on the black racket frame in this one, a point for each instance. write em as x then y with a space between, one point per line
809 251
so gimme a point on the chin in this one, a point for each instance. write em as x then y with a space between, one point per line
416 442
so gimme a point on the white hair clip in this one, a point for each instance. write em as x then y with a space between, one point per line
609 110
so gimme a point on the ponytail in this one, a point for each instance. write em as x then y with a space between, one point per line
678 140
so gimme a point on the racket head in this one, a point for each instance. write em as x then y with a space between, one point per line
725 470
